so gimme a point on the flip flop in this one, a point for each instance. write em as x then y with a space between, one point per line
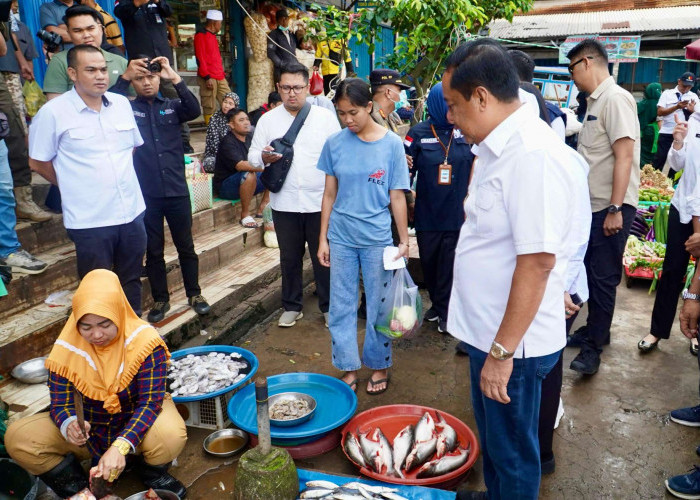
353 384
375 383
249 222
258 216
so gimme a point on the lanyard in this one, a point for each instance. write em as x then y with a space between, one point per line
445 149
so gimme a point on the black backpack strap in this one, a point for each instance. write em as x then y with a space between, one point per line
298 122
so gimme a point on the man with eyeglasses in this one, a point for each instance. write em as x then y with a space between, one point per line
678 102
609 142
84 25
296 208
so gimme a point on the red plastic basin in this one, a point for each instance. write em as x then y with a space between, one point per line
391 420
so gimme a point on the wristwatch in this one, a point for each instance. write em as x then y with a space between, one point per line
690 296
499 352
613 209
123 446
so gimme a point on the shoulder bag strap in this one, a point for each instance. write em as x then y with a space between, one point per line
298 122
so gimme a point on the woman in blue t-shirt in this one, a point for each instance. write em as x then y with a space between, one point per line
366 170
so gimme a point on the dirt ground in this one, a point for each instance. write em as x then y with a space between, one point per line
615 440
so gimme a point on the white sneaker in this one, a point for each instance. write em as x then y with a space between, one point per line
289 318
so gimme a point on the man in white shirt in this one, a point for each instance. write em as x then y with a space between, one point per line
509 310
82 141
296 208
678 102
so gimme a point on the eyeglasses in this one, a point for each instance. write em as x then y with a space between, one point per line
571 66
286 89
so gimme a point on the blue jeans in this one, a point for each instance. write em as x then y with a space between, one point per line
508 432
8 237
345 281
231 186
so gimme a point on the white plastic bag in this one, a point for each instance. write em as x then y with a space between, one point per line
401 312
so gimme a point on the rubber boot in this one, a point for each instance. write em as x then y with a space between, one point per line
25 206
157 477
206 119
67 478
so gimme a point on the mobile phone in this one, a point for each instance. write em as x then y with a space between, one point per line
576 300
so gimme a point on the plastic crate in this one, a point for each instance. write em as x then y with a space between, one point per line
208 413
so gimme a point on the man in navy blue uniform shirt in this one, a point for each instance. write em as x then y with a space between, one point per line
160 167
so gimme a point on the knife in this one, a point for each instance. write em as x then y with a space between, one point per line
79 412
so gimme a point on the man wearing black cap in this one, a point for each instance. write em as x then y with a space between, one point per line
386 97
281 44
677 102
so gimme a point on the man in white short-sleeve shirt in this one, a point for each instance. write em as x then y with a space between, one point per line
678 102
296 208
511 260
82 142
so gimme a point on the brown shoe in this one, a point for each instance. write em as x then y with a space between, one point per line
25 206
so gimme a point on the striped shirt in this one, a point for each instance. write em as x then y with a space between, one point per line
112 32
141 403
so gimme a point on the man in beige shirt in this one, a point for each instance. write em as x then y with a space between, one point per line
609 141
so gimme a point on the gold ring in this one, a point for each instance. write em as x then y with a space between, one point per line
113 475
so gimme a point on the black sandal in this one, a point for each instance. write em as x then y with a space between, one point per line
375 383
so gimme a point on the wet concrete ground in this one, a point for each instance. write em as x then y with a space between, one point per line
615 440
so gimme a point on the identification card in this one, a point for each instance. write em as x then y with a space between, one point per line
159 19
445 174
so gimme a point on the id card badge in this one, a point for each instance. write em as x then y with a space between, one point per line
159 19
445 174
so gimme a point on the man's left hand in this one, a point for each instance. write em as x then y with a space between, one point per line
494 379
409 160
612 224
167 71
27 71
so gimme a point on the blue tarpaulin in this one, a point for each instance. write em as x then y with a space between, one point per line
410 492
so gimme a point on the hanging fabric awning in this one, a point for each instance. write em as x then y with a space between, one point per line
692 50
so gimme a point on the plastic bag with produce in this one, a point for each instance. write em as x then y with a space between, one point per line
401 312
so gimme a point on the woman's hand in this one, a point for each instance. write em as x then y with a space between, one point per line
403 251
73 434
324 253
569 307
110 465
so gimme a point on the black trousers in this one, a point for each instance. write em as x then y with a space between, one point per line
117 248
437 257
671 281
177 211
549 403
295 230
662 146
603 263
17 155
327 79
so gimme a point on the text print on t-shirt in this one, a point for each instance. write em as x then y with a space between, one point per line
377 176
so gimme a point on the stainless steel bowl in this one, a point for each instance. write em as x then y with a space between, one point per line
163 494
283 396
225 433
32 371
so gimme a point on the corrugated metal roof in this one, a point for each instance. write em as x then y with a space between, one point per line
583 23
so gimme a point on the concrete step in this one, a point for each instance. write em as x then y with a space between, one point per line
37 237
33 332
212 229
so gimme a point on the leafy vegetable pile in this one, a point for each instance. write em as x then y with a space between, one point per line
654 185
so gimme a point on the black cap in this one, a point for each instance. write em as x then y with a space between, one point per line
386 77
688 78
281 14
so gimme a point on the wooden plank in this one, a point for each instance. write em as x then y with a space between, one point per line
24 399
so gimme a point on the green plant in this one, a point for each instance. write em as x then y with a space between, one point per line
427 30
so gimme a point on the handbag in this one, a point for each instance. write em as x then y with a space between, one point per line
274 175
200 188
316 84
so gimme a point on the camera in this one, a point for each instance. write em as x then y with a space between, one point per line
52 40
5 8
154 66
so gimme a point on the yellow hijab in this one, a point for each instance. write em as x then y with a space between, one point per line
100 372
